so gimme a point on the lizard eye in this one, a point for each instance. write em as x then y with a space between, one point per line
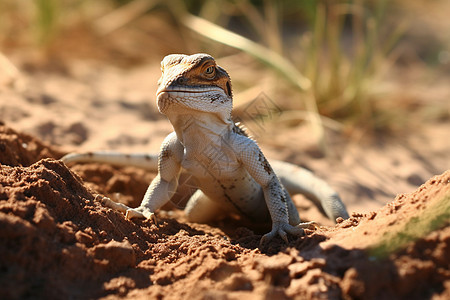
210 71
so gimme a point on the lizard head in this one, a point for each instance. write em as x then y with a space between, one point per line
193 82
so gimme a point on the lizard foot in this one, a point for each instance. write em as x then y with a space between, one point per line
105 201
282 229
140 213
130 213
308 225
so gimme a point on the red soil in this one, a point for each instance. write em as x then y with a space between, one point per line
58 243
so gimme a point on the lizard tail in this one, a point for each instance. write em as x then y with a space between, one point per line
141 160
298 180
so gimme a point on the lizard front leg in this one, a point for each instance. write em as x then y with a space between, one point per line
276 199
275 195
164 186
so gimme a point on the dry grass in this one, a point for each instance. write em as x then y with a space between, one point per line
334 55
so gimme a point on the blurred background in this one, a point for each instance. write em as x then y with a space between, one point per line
363 86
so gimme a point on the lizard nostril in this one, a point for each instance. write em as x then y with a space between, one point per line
181 80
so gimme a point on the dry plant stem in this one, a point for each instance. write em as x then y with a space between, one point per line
273 59
293 115
123 15
226 37
8 69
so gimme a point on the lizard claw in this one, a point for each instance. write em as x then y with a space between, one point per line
151 216
140 213
130 213
283 235
282 229
312 225
133 213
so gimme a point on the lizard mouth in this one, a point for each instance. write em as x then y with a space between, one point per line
193 90
197 98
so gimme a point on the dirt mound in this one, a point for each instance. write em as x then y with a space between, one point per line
58 243
22 149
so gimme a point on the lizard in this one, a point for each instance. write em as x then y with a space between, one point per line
229 168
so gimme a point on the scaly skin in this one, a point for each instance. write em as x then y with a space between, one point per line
231 172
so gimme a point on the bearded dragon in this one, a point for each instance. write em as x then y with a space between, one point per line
229 168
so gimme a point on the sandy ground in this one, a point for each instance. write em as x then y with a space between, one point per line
88 105
59 243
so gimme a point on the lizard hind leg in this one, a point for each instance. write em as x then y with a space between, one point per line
201 209
294 217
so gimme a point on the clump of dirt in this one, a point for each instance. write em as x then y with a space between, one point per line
57 242
22 149
125 185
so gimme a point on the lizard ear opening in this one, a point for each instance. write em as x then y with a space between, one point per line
228 88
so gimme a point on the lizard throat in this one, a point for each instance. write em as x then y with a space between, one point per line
209 100
187 89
